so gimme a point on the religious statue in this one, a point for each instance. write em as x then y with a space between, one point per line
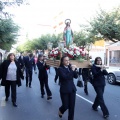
68 34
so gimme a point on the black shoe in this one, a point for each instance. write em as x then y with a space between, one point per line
86 91
6 99
95 109
14 104
105 116
42 96
49 97
30 86
55 80
26 85
60 114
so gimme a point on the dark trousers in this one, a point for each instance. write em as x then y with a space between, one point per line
44 83
86 86
99 100
28 76
56 75
68 102
11 84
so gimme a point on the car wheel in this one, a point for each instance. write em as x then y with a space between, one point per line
111 78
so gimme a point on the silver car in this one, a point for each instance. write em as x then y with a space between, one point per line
114 75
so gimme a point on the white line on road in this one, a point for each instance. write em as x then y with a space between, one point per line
85 99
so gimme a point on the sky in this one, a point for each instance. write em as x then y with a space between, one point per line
38 17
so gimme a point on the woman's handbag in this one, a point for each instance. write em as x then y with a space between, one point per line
79 82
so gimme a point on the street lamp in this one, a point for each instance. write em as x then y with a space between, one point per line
49 46
61 46
88 48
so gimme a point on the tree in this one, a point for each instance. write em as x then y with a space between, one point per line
8 29
55 39
8 33
106 25
40 43
81 38
14 2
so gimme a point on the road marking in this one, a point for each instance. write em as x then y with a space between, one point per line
3 103
86 99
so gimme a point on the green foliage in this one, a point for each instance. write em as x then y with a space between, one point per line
81 38
8 33
1 6
55 39
106 25
14 2
40 43
8 29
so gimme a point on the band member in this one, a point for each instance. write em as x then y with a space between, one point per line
67 88
29 65
43 77
11 74
99 86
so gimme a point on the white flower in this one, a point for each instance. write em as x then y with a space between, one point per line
56 48
65 50
83 52
51 52
71 47
77 53
55 52
71 52
80 49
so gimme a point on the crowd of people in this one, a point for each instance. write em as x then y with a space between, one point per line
12 71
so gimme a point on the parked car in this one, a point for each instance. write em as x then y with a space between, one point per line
114 75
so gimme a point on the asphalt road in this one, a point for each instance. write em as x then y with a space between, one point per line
32 107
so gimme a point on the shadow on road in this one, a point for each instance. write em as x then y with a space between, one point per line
118 84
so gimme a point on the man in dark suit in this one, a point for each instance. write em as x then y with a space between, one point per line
29 65
21 61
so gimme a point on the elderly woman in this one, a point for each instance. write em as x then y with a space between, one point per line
11 74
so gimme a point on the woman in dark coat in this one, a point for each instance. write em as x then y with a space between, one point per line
43 77
98 71
67 73
11 74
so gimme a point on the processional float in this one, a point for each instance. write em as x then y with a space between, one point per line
77 55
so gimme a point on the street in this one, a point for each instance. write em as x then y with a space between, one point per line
32 107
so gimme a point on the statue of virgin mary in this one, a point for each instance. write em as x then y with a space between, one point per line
68 34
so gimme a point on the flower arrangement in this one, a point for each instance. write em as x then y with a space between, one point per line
54 53
74 52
